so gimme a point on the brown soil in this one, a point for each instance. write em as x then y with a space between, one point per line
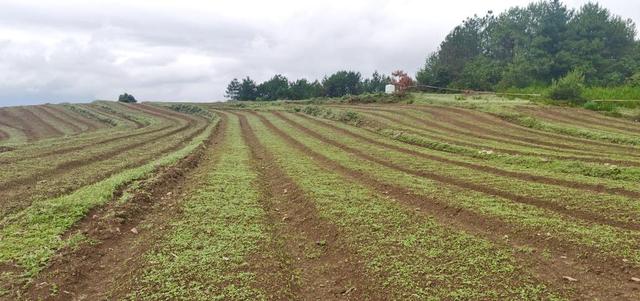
337 272
71 164
85 123
429 125
3 135
9 119
408 128
21 191
94 271
496 122
525 199
137 124
579 119
62 151
54 115
599 188
47 130
598 278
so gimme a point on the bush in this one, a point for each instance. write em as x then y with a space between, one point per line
634 80
128 98
569 88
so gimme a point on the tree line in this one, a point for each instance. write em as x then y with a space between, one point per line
536 45
279 87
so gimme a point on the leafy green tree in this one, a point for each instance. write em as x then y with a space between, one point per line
481 73
233 90
433 72
342 83
303 89
376 83
127 98
248 90
535 45
597 42
275 88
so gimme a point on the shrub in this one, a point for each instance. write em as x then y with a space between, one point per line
634 80
128 98
569 88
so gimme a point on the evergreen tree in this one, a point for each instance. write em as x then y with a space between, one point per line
248 90
233 90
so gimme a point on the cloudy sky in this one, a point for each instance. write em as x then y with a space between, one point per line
187 50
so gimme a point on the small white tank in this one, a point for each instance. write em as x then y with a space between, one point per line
389 89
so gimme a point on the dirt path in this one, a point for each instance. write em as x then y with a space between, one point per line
598 278
525 199
96 271
329 276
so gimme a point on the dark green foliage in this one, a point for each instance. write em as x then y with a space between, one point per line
128 98
233 90
248 90
275 88
634 80
376 83
303 89
569 88
342 83
278 87
533 46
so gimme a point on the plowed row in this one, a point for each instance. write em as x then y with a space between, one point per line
395 202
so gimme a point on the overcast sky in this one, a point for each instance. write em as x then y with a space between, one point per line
78 51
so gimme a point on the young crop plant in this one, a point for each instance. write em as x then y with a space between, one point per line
205 255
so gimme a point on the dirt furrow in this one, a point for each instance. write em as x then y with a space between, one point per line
67 165
408 129
328 276
48 130
76 119
62 151
575 120
138 124
11 120
14 190
468 129
525 199
599 188
599 278
162 113
470 132
97 271
497 122
45 110
485 133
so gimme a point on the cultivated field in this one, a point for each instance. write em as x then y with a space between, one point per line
442 199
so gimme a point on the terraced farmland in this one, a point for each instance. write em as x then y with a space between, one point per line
295 201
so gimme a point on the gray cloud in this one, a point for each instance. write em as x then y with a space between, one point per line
189 50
